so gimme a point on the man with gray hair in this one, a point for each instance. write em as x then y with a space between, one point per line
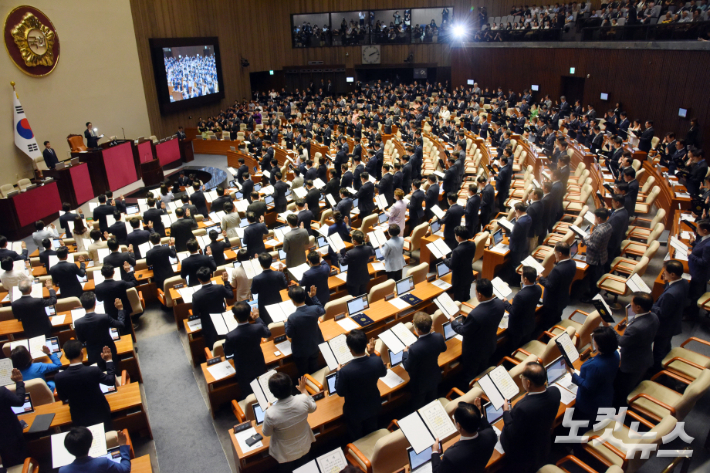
31 310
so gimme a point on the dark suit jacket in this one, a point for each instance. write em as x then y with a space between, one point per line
415 204
645 139
303 329
93 330
519 239
366 194
521 321
558 195
471 213
210 299
636 345
153 216
280 201
10 427
488 195
118 230
100 214
619 221
218 248
253 238
345 206
91 141
467 455
190 265
181 232
318 276
356 259
247 188
64 275
159 258
527 435
267 285
244 342
557 284
117 258
536 213
312 200
5 253
64 222
699 260
386 187
347 179
44 257
50 158
30 311
218 203
198 200
450 179
79 386
357 183
243 169
432 196
451 220
460 264
479 330
112 289
421 362
138 237
356 382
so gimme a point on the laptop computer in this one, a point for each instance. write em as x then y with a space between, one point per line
630 314
497 237
404 286
132 210
355 202
556 370
573 249
449 332
50 310
419 463
269 200
258 413
282 255
243 223
257 187
357 305
217 228
379 255
238 195
382 218
26 407
330 383
53 344
322 242
442 270
395 358
343 267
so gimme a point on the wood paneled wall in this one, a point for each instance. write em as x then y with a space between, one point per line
260 31
651 84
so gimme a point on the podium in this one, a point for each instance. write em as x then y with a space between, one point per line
152 173
74 184
114 165
22 210
186 152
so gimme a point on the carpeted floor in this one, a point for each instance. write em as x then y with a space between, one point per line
185 437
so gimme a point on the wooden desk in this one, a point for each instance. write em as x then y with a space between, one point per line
141 465
492 261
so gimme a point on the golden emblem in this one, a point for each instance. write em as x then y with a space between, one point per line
35 41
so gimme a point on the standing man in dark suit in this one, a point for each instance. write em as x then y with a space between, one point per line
558 194
138 236
527 434
356 382
475 446
699 265
111 289
218 203
64 274
117 259
451 220
646 137
406 173
416 211
101 211
13 446
313 200
248 188
68 217
92 141
181 230
521 321
93 330
386 185
267 286
473 204
449 183
479 331
254 235
210 299
597 251
5 252
420 360
196 261
118 229
79 386
698 171
153 214
356 260
46 253
518 239
619 221
460 263
536 212
159 258
358 169
347 179
417 159
50 156
198 199
365 196
244 342
398 177
432 196
30 310
280 188
303 329
317 276
669 309
242 171
548 209
635 347
488 195
345 205
557 285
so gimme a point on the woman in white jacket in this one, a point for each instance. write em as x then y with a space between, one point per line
286 422
393 251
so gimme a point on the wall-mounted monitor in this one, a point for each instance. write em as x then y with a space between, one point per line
604 96
683 112
349 79
572 70
188 72
535 88
470 82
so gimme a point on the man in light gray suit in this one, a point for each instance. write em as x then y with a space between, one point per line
295 243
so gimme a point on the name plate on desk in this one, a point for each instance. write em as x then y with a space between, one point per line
242 427
280 339
213 361
405 313
340 316
318 396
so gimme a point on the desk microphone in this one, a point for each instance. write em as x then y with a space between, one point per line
124 133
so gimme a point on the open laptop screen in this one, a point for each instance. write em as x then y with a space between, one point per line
555 370
405 285
357 304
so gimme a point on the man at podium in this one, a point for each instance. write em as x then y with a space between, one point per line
50 156
92 140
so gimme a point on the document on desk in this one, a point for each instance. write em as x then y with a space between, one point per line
221 370
57 319
186 294
331 462
505 224
503 324
636 284
566 397
500 288
378 266
392 379
678 245
76 314
336 242
242 440
195 324
399 303
505 384
447 305
61 457
260 387
416 432
6 372
566 346
500 248
348 324
441 284
498 446
436 210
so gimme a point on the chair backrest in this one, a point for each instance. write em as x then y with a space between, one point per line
390 453
6 313
480 241
277 329
24 183
652 196
660 215
38 390
326 214
5 189
585 331
663 428
468 397
552 351
218 348
418 272
66 304
636 164
335 307
379 291
548 263
640 267
647 185
652 249
76 143
167 284
418 234
692 394
136 305
367 223
655 233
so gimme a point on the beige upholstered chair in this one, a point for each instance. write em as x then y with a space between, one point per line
69 303
379 291
38 390
335 307
135 300
6 313
547 352
381 451
578 462
583 329
412 243
242 409
164 294
5 189
418 273
23 184
686 362
655 401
